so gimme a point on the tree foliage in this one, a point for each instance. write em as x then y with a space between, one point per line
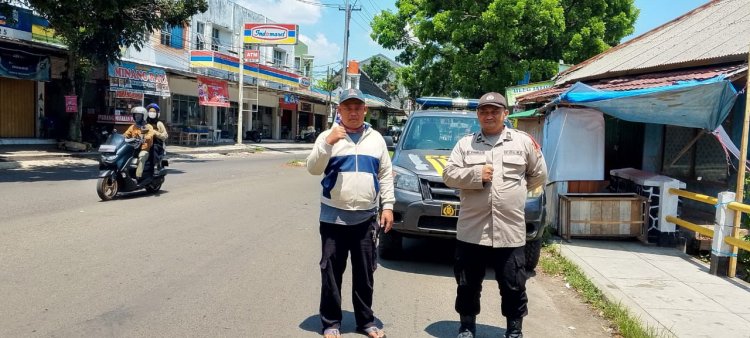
378 69
474 46
327 83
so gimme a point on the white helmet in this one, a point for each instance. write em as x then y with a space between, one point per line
139 115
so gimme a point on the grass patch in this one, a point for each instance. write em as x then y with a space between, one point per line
297 163
625 325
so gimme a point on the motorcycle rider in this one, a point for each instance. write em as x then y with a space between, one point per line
154 112
141 129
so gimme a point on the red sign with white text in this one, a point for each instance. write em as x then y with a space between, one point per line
252 55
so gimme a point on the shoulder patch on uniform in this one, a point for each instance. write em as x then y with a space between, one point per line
536 144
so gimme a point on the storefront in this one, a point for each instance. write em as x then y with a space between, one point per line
21 76
132 85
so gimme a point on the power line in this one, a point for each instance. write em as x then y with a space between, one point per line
319 4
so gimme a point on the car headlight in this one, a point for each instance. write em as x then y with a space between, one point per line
538 191
405 180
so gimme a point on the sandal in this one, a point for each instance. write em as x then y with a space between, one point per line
373 332
331 332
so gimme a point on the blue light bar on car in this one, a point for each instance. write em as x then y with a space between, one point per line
447 102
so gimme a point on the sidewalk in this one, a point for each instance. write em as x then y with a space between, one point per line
12 155
667 289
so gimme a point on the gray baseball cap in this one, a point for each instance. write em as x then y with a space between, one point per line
351 93
493 99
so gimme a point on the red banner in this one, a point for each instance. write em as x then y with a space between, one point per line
213 92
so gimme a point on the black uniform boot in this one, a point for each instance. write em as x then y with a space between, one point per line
468 327
514 328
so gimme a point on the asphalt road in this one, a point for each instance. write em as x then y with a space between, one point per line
229 248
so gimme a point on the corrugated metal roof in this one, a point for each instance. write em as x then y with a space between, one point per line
649 80
716 32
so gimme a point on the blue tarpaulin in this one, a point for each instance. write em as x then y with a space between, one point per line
693 104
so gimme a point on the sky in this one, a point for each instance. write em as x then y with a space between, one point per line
321 24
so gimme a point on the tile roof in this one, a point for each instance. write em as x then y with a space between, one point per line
717 32
649 80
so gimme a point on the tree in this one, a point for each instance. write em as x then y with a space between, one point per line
378 69
96 31
328 83
472 47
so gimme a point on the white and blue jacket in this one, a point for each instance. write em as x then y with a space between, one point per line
355 174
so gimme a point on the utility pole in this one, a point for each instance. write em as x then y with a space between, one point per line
348 10
242 89
328 84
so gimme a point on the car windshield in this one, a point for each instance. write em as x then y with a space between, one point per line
438 132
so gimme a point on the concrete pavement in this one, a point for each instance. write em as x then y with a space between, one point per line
12 156
667 289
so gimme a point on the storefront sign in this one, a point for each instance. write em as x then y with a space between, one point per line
117 119
17 25
138 78
252 55
71 104
127 94
213 92
291 98
271 34
304 82
511 93
22 65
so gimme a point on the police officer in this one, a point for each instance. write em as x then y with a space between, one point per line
494 169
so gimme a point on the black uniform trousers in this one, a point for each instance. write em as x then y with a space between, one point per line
510 273
338 241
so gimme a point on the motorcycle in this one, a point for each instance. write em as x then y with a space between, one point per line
117 165
308 136
254 135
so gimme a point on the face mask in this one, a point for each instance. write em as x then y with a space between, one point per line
152 114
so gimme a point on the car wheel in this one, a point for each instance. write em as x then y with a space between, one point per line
533 250
389 246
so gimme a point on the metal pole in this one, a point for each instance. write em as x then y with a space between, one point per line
740 191
241 85
330 111
346 45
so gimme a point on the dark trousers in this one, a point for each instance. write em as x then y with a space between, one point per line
338 241
510 273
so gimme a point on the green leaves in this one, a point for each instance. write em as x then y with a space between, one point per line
471 47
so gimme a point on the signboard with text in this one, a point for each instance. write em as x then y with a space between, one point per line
213 92
270 34
252 55
511 93
128 76
22 65
71 104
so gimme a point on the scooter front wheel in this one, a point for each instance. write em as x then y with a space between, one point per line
107 188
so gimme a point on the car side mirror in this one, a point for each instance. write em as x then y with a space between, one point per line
389 143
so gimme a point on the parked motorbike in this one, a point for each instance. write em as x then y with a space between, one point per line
307 135
254 135
117 165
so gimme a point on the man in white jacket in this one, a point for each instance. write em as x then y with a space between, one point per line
357 171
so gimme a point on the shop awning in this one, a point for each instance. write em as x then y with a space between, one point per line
527 113
693 104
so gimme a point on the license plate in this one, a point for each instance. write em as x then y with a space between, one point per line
107 148
449 210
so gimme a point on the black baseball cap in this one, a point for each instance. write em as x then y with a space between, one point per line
351 93
493 99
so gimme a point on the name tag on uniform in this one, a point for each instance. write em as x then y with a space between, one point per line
475 152
513 152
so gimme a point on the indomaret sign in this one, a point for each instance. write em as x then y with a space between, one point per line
270 34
